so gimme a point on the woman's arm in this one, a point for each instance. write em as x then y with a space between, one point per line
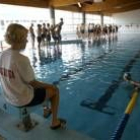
135 83
127 77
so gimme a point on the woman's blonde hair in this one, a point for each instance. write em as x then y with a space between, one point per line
15 33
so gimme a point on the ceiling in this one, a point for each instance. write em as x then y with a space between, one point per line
106 7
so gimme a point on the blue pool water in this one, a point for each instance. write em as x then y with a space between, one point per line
93 95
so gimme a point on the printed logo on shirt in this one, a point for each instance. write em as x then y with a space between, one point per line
7 73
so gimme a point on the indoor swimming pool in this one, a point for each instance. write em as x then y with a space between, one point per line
93 95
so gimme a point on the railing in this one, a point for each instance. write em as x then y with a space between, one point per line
122 124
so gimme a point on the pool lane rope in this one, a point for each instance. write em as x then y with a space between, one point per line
123 122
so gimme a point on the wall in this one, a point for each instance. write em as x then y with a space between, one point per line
126 18
129 22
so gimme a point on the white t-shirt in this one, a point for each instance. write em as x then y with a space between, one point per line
15 75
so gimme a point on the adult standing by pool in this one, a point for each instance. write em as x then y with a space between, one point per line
39 35
60 28
32 34
58 32
48 34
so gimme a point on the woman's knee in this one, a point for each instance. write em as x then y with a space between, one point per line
52 92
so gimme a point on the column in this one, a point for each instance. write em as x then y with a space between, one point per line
84 17
102 20
52 15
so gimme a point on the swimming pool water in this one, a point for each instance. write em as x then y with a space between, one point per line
92 74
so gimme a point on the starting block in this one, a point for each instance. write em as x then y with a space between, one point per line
23 113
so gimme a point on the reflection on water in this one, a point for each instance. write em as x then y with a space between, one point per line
90 75
68 59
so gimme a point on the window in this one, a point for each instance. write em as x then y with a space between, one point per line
90 18
71 19
23 15
108 20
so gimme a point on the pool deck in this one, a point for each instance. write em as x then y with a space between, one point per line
9 131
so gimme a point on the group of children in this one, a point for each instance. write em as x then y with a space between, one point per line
45 32
96 31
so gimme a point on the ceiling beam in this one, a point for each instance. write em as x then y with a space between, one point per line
31 3
124 9
60 3
70 8
108 4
